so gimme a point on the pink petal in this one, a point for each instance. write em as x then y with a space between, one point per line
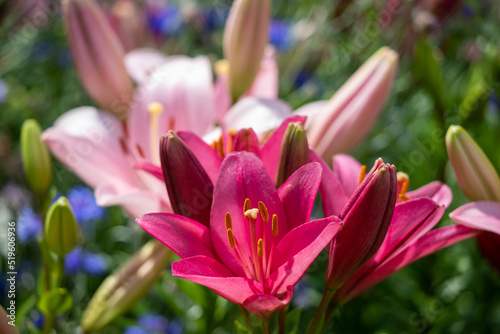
270 151
310 110
298 193
297 250
347 170
264 305
223 99
259 114
246 140
214 275
242 175
333 196
87 141
184 236
183 86
206 155
484 215
488 244
140 63
411 220
437 191
430 243
151 169
265 84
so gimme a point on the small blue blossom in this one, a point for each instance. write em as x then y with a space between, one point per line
175 327
216 17
73 261
80 260
4 91
280 35
84 206
166 20
29 226
154 322
38 319
136 330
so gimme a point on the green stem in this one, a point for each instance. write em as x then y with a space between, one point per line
320 311
282 321
245 314
266 327
48 324
330 310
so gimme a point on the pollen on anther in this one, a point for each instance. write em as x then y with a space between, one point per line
260 248
230 237
275 225
252 213
263 212
362 174
247 205
229 221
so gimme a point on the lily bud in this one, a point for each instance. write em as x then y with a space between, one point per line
61 228
475 174
7 322
36 160
127 285
366 217
98 56
189 187
245 39
246 140
347 118
294 152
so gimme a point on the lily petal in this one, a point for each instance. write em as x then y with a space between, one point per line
310 110
297 250
265 84
184 236
347 170
483 215
437 191
140 63
264 305
150 169
242 176
298 193
214 275
270 151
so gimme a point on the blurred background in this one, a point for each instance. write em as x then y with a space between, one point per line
449 74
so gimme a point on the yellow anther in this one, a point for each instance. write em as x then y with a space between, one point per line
252 213
263 212
230 237
260 248
221 67
232 132
247 205
403 185
155 108
229 221
275 225
362 174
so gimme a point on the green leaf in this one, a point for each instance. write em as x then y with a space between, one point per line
240 328
55 301
427 69
293 321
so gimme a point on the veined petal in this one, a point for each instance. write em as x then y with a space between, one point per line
333 196
214 275
184 236
264 305
297 250
205 154
242 176
347 170
270 151
437 191
484 215
298 193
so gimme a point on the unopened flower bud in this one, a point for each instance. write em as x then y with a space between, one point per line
61 228
294 152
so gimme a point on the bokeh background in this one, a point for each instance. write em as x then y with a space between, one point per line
449 74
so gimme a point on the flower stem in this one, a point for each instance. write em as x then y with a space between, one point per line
282 321
319 317
266 328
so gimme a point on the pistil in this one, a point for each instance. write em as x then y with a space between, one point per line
155 109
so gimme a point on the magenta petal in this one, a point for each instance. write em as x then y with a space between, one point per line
264 305
298 193
297 250
184 236
246 140
437 191
270 151
214 275
151 169
411 220
484 215
347 170
205 154
430 243
242 176
333 196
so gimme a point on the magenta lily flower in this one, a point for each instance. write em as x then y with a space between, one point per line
259 242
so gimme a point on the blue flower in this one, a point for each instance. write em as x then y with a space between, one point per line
136 330
29 226
279 35
154 322
166 20
80 260
216 17
4 91
73 261
175 327
84 206
38 319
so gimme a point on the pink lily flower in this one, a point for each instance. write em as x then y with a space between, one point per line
480 182
259 242
410 235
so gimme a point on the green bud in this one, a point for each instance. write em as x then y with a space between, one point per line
61 228
36 160
294 152
127 285
55 301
